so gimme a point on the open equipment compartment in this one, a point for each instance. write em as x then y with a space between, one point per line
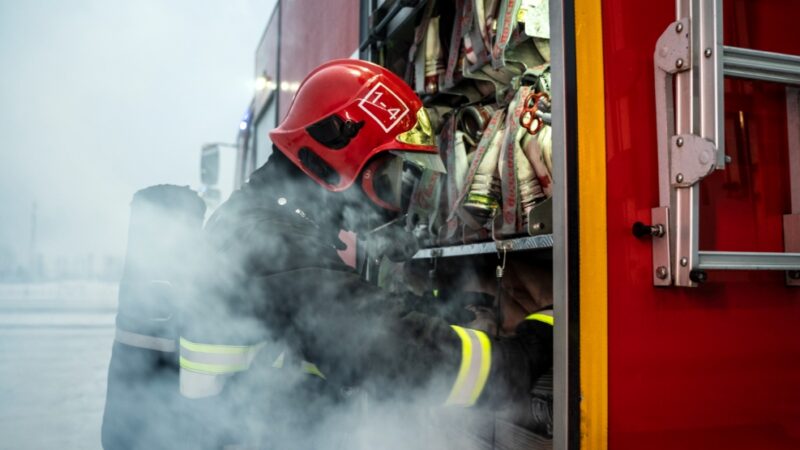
515 230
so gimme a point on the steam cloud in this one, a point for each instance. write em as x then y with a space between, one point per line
214 280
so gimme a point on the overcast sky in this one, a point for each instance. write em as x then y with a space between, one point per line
100 98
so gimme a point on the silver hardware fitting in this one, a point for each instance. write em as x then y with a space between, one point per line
502 266
693 158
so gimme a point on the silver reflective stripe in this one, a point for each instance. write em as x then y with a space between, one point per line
476 360
278 363
200 385
144 341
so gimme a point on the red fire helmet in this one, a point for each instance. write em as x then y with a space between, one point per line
346 112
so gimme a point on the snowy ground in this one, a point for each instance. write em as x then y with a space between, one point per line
55 343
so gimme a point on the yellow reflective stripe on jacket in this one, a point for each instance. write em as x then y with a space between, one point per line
216 359
312 369
305 366
215 369
278 363
476 361
542 316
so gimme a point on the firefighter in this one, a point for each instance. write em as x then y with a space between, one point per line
282 329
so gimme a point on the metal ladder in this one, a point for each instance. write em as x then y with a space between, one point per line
690 65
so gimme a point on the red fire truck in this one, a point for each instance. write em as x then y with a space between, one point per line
673 221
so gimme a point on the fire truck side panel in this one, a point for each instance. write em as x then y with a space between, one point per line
717 366
313 32
267 63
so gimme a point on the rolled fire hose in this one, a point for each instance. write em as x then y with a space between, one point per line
530 188
434 64
532 148
484 195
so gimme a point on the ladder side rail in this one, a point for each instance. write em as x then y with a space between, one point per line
791 222
685 199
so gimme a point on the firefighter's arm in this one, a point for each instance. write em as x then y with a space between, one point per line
357 333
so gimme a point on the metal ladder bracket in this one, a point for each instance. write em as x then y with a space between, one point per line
692 158
673 50
662 260
671 56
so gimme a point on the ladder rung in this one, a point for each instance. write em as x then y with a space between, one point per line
748 261
760 65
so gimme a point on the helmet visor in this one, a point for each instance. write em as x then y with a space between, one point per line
391 181
421 133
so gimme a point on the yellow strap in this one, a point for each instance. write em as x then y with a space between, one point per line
216 369
209 348
541 318
474 369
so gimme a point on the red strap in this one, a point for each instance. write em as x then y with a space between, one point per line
507 23
507 165
455 45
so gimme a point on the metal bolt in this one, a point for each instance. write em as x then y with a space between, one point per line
684 261
679 178
678 27
282 201
794 274
707 52
661 272
728 159
538 226
679 142
679 63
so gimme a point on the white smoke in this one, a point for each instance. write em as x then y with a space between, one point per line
108 97
381 402
99 99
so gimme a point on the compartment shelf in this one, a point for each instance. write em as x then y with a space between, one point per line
543 241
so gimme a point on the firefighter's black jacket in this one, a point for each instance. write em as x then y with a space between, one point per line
272 275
